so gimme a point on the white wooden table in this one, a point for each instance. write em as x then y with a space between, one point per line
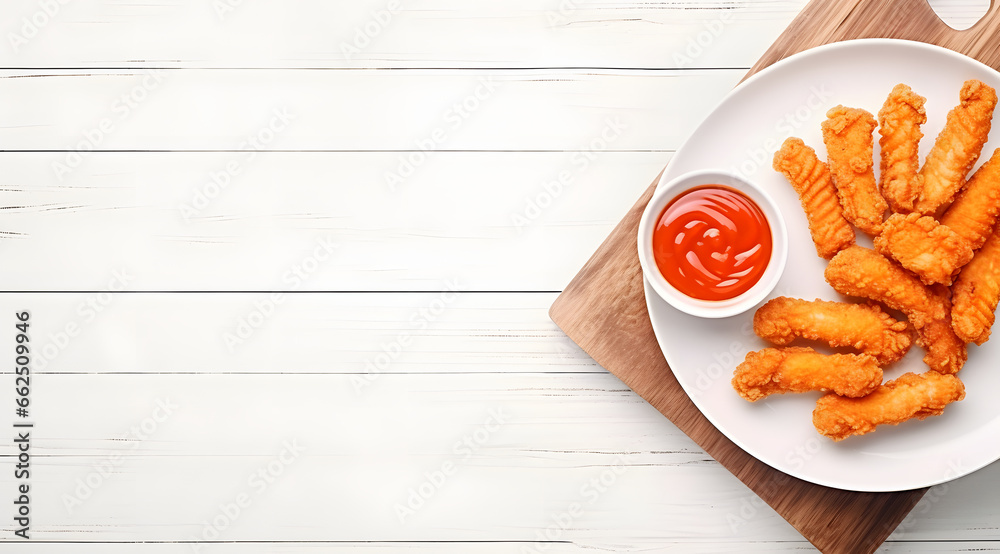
288 264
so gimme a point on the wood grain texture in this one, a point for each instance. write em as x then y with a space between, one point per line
426 111
826 22
142 441
371 445
603 309
472 218
362 334
456 547
424 33
396 34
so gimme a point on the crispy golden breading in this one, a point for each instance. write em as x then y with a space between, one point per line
919 243
942 230
864 327
899 123
911 396
811 180
957 147
797 369
946 352
977 208
976 293
861 272
847 133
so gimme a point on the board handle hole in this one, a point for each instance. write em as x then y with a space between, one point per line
960 15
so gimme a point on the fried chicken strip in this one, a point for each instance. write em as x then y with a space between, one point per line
933 251
911 396
799 369
861 272
957 147
977 292
847 133
864 327
946 352
977 208
899 123
811 179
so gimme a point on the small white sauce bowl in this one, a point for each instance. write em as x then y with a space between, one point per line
663 195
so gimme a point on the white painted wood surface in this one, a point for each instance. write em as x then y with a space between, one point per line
398 191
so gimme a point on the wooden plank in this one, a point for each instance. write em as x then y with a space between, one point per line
484 221
516 452
603 309
367 34
414 110
364 335
396 34
662 34
485 547
117 452
289 547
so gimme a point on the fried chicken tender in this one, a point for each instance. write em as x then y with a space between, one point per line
847 133
919 243
911 396
976 293
977 208
946 352
799 369
861 272
864 327
957 147
811 179
899 123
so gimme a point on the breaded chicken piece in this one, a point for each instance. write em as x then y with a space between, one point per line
899 123
861 272
919 243
977 208
798 369
864 327
847 133
811 180
976 293
911 396
946 352
957 147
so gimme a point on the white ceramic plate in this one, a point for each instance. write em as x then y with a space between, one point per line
791 98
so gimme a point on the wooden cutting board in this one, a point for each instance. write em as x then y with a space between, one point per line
604 309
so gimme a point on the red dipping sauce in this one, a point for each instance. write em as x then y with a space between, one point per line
712 243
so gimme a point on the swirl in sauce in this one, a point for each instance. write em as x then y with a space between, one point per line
712 243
